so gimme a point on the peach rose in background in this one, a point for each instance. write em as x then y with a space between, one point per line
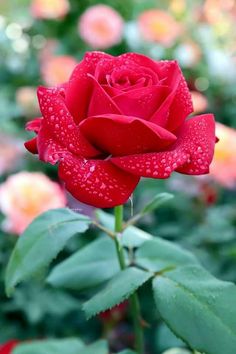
57 69
10 152
223 168
200 102
49 9
101 27
27 100
24 196
159 26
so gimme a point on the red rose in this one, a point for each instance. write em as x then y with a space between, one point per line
7 347
116 120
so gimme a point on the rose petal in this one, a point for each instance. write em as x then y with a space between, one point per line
141 102
96 182
31 145
122 135
34 125
192 153
79 88
100 101
58 130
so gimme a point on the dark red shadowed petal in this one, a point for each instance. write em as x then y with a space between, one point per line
141 102
192 153
58 132
100 101
178 105
80 86
96 182
31 145
122 135
33 125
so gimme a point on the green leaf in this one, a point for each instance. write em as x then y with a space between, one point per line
178 351
90 266
127 351
120 287
45 237
99 347
159 254
131 237
198 308
156 202
68 346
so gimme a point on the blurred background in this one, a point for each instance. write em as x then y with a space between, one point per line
40 43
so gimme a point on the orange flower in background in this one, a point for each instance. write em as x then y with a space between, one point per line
49 9
223 167
57 69
24 196
200 102
101 26
159 26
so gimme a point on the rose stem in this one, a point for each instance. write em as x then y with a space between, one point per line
134 301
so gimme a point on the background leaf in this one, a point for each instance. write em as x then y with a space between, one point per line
159 254
156 202
90 266
131 237
45 237
199 308
119 288
68 346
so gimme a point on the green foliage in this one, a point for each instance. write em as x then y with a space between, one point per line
88 267
199 308
127 352
68 346
159 254
116 291
156 202
131 237
40 244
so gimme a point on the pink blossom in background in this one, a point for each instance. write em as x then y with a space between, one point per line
50 9
200 102
101 26
159 26
223 167
25 195
57 69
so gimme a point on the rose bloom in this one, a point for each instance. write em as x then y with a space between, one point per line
101 27
223 168
50 9
7 348
200 102
57 69
25 195
159 26
116 120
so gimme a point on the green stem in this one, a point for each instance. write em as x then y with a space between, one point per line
134 301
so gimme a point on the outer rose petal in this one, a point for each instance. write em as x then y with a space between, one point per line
192 153
178 105
58 132
96 182
122 135
79 88
141 102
